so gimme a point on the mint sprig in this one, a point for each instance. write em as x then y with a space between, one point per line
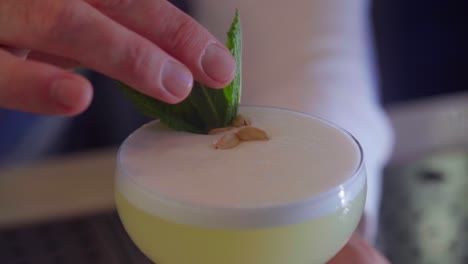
205 108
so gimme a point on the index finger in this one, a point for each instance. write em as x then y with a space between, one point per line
178 34
76 30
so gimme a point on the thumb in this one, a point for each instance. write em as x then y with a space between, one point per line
358 251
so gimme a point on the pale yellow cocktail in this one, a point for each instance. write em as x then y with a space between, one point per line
293 199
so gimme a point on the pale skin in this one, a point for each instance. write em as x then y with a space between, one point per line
147 44
358 251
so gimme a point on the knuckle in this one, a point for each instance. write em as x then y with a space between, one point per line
62 21
19 16
184 35
137 63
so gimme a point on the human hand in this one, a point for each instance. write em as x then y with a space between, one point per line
358 251
147 44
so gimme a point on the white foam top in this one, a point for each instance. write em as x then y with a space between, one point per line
307 164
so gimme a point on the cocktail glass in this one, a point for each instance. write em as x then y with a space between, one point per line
296 198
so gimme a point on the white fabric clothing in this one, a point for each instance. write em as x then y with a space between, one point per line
313 56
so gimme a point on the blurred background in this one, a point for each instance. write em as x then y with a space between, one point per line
52 212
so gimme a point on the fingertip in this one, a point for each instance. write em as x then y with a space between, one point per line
176 80
219 65
85 96
71 93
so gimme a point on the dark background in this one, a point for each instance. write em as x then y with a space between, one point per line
422 48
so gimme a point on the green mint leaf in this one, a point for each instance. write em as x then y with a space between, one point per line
233 91
180 117
205 108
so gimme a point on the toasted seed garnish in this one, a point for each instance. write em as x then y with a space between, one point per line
227 141
219 130
251 133
240 121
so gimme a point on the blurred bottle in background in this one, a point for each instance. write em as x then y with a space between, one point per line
422 49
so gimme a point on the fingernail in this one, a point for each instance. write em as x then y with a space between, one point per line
66 92
176 79
218 63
